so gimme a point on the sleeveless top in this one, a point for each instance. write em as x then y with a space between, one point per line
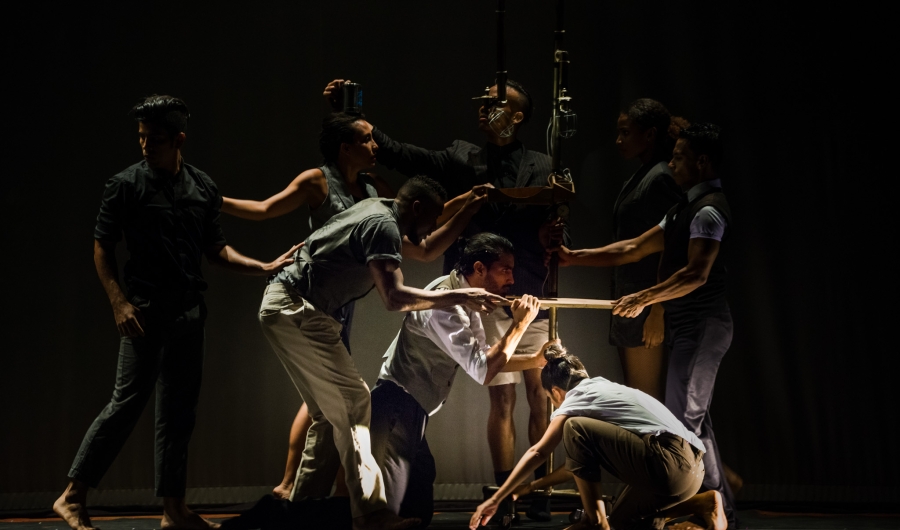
339 197
708 299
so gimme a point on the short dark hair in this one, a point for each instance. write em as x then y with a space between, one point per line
484 247
421 187
647 113
525 100
338 128
170 112
705 139
563 370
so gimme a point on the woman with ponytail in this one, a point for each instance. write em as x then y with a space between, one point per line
646 132
628 434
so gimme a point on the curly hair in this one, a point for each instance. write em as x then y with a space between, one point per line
648 113
705 139
563 370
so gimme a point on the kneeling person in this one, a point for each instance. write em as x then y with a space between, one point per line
632 436
421 363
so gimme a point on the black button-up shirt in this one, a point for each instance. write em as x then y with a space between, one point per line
168 222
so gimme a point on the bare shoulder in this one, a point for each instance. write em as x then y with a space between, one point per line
312 180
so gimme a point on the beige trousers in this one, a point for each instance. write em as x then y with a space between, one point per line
308 344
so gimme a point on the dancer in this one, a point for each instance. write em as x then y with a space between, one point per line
630 435
169 213
355 250
644 133
348 151
421 364
691 286
505 163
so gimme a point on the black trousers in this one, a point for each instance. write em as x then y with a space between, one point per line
170 358
401 450
698 347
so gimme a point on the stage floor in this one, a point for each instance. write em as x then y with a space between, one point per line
749 519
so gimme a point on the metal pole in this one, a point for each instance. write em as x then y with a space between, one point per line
501 52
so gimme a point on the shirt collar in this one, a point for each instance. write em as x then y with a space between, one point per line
703 187
504 150
463 284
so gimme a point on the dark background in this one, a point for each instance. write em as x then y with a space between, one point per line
805 397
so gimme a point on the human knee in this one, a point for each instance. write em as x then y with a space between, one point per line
503 399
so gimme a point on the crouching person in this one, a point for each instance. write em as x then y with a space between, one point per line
630 435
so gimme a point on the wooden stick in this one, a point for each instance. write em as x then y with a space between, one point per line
572 303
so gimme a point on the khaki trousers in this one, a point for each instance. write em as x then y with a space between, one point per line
659 471
308 344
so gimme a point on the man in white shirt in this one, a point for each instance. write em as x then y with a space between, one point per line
421 363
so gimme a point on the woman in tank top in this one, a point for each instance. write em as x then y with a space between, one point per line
348 150
643 134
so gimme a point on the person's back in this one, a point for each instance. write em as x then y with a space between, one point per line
331 269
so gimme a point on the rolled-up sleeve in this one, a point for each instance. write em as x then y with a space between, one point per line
112 210
452 330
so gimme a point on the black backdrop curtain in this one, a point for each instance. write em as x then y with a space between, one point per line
803 397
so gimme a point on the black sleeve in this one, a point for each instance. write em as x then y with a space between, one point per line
212 230
112 211
411 160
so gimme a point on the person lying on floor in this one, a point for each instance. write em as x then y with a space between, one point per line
629 434
421 363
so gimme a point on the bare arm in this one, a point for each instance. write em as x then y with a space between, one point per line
527 361
618 253
310 187
532 458
129 320
560 475
227 257
398 297
524 311
702 253
466 205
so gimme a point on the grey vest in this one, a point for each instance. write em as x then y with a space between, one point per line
330 270
418 364
339 197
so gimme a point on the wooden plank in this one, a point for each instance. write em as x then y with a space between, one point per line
572 303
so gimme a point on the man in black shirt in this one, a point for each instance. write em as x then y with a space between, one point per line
691 287
169 214
504 162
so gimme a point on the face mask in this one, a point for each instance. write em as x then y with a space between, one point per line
501 123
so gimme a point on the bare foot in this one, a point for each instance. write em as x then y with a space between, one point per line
283 491
186 521
73 513
712 510
383 519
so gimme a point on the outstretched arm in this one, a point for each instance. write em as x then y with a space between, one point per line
309 187
702 254
530 461
405 158
398 297
463 208
618 253
227 257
